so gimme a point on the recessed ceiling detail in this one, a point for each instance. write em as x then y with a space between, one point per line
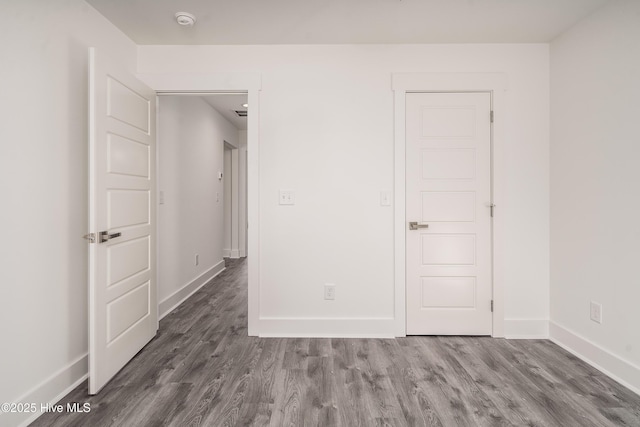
249 22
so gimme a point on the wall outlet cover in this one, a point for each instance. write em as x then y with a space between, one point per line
329 291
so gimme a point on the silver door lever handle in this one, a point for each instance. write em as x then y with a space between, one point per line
105 236
414 225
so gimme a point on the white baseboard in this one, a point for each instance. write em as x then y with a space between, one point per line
178 297
620 370
526 329
226 253
301 327
50 391
243 253
234 254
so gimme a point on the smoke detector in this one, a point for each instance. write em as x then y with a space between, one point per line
185 18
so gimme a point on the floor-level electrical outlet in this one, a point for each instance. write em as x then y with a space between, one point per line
329 291
596 312
197 259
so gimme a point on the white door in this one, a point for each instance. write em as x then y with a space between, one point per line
123 311
448 184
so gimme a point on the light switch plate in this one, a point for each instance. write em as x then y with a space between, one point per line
287 197
596 312
385 198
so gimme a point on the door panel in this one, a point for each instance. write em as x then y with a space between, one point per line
448 206
122 290
447 292
449 193
445 164
127 157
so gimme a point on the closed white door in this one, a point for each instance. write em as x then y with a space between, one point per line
448 197
123 311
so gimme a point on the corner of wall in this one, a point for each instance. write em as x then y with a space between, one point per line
622 371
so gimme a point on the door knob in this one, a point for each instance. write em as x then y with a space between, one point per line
105 236
414 225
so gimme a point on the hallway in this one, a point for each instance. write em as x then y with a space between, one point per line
203 370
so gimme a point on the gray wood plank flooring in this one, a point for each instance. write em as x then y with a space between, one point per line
203 370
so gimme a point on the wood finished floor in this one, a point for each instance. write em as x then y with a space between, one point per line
203 370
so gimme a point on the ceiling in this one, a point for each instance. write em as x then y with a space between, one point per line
225 104
246 22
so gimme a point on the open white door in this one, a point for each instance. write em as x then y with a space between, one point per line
123 311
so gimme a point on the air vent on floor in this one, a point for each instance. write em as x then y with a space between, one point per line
240 113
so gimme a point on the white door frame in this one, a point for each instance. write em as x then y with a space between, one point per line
496 84
232 176
251 84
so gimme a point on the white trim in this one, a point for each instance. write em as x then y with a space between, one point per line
201 83
178 297
253 213
526 329
311 327
49 391
226 253
234 254
618 369
399 214
401 83
443 82
242 253
250 83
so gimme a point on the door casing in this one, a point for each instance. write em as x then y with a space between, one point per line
251 84
496 85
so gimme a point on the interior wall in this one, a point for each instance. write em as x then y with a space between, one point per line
595 188
44 184
326 132
191 137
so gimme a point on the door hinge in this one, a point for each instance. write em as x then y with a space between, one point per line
492 306
91 237
492 206
491 116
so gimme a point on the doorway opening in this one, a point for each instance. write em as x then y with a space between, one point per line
201 173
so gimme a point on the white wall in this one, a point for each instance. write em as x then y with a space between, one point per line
595 188
326 131
43 180
191 138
